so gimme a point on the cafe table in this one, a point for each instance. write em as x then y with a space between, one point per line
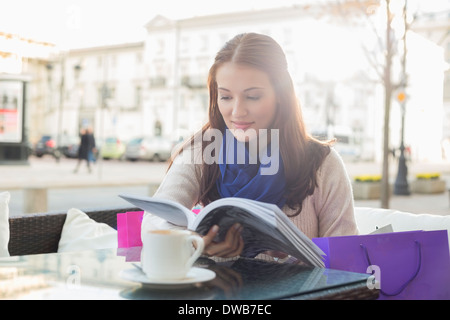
100 275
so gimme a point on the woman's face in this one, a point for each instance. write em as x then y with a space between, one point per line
246 99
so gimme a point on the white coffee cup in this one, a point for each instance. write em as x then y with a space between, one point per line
169 254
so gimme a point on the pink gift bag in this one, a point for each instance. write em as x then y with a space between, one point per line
129 229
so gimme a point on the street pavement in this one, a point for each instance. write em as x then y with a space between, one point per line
110 178
82 190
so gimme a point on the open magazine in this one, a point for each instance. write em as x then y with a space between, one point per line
265 226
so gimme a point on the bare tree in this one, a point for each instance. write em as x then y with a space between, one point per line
388 46
381 60
388 89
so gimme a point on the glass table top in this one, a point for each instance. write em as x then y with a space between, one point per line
98 274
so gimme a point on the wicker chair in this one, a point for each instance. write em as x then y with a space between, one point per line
40 232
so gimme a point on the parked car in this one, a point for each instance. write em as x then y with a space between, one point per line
149 148
345 145
49 145
112 148
45 145
69 147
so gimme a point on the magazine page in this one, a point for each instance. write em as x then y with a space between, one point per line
295 233
279 219
286 226
168 210
263 212
289 229
258 234
311 251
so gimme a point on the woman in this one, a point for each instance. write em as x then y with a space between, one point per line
251 91
86 148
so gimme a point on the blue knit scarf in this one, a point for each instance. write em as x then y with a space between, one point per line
241 173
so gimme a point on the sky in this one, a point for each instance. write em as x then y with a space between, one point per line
84 23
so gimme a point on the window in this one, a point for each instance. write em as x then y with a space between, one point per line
160 44
138 97
342 139
223 37
447 52
288 36
158 128
138 58
203 43
104 93
447 86
111 92
184 45
113 61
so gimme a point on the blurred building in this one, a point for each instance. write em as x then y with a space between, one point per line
435 27
179 54
334 79
100 87
22 62
158 86
25 56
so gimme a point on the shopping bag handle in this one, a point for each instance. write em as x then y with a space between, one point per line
419 250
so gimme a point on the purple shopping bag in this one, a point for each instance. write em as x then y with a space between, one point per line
405 265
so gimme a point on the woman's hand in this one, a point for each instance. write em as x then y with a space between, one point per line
232 245
276 254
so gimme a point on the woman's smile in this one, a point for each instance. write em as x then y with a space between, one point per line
243 125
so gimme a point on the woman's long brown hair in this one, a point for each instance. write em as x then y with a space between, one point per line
302 155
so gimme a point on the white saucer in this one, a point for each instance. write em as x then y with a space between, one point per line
194 276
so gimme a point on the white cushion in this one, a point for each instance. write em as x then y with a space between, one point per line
83 233
368 219
4 223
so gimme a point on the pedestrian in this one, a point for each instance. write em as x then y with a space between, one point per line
251 91
86 148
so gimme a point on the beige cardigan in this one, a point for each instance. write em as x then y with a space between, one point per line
329 211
